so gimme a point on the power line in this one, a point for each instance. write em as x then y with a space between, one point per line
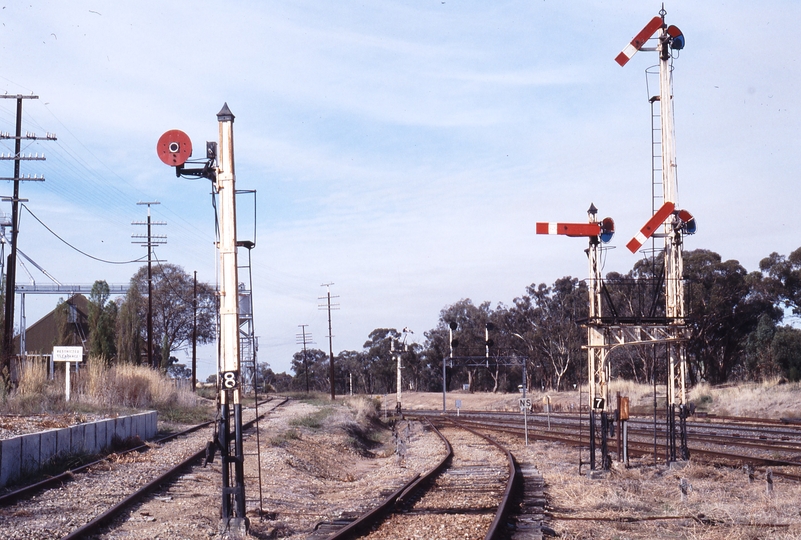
75 248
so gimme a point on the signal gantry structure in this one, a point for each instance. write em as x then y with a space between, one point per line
607 329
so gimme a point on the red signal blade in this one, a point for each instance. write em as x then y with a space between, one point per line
650 227
569 229
638 41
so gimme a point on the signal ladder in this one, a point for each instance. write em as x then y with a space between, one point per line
248 348
657 191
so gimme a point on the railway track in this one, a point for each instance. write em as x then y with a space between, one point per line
469 494
80 502
747 441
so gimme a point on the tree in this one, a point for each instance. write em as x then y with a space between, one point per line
380 359
130 341
315 366
172 311
102 323
724 308
470 321
783 276
178 371
786 348
551 315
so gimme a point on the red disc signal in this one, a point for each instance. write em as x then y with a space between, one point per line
174 148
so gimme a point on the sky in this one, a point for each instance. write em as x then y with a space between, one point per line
401 150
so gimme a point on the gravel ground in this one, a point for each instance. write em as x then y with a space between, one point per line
56 512
12 425
334 471
324 461
319 463
463 500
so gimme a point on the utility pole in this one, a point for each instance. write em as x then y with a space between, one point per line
11 269
152 241
302 336
194 334
330 334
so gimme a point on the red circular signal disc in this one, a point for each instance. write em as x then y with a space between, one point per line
174 147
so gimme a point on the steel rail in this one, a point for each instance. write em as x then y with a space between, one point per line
702 420
94 526
68 475
401 496
646 450
765 438
514 479
760 439
406 493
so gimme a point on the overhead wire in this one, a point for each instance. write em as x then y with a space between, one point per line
75 248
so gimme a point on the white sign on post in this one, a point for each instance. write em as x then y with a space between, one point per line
67 354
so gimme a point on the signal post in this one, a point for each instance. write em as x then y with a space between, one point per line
175 148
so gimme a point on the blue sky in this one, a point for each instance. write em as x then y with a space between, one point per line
402 150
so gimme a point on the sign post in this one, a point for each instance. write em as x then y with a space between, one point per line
525 405
67 355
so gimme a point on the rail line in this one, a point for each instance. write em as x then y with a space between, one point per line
745 442
470 490
73 505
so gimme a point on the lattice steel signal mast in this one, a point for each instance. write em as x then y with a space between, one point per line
596 232
675 223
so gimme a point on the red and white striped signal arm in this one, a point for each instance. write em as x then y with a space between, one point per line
639 40
569 229
650 227
604 229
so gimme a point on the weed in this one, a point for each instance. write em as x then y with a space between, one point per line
313 420
187 415
56 466
283 438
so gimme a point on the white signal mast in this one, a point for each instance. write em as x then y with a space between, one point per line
174 148
675 223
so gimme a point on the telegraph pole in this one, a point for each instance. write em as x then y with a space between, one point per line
330 335
11 269
152 241
302 336
194 334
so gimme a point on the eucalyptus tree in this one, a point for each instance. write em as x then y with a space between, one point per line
173 310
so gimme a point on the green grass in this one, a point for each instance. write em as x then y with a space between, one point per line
313 420
284 437
186 415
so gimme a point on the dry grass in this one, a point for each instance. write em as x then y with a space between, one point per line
645 501
99 388
364 408
768 399
33 378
